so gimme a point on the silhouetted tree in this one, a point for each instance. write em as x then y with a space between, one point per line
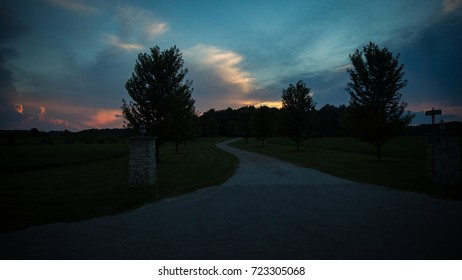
244 121
34 132
298 112
181 128
161 99
376 113
263 123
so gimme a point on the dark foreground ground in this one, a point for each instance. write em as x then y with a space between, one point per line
268 210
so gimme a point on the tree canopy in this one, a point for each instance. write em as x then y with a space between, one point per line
263 123
298 112
376 113
161 99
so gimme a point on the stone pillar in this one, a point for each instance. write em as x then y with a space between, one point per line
142 162
444 159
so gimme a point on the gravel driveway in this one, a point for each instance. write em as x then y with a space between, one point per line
268 210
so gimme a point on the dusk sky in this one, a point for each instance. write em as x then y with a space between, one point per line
64 63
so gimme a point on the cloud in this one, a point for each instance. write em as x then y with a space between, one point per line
27 119
42 117
8 92
155 29
219 80
10 29
432 65
139 24
136 27
115 41
18 108
259 103
104 118
58 117
451 5
42 114
74 6
225 63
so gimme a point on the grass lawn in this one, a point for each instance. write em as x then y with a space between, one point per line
44 184
404 163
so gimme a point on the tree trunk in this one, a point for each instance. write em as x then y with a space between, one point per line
157 152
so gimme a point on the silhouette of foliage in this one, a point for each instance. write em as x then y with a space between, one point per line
376 113
298 112
245 122
161 99
263 123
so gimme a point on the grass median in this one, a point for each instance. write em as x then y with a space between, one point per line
403 166
44 184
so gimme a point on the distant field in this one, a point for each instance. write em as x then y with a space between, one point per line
44 184
20 158
404 164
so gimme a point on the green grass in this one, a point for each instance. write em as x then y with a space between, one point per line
404 163
31 157
402 147
65 183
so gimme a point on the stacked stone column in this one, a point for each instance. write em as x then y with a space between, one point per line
142 162
444 159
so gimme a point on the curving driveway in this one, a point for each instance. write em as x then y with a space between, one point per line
268 210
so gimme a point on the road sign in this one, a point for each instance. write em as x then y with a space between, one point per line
433 112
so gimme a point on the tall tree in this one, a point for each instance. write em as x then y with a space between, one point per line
376 113
161 99
298 112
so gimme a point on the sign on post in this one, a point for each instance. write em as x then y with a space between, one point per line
433 113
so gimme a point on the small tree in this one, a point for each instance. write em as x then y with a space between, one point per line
298 112
376 113
244 122
161 100
263 123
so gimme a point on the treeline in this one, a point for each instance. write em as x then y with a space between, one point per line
266 122
245 122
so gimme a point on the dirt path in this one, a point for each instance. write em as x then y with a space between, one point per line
268 210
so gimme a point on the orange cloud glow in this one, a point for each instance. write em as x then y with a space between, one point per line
43 112
104 118
18 108
43 116
259 103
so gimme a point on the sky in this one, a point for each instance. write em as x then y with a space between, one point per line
64 63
